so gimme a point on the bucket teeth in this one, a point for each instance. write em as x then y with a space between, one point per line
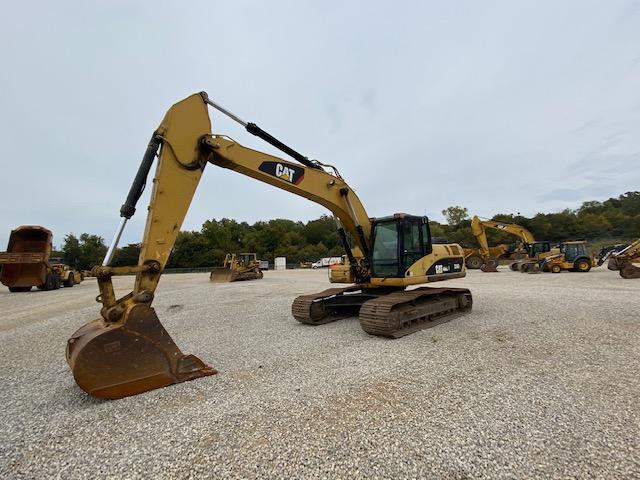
135 355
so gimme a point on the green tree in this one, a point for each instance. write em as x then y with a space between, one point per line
126 256
455 215
71 250
84 252
92 250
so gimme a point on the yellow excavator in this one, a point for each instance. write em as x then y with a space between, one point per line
127 350
490 255
235 268
622 261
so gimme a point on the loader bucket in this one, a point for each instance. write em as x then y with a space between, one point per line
613 264
135 355
222 275
630 271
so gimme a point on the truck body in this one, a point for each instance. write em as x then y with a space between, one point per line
26 264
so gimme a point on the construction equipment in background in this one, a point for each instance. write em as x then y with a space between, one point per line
327 262
534 253
306 264
488 257
623 260
127 351
608 250
244 266
27 262
68 276
474 259
572 256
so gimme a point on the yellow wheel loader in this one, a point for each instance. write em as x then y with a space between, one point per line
127 350
623 260
245 266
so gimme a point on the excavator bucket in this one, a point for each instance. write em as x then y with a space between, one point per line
222 275
629 270
613 263
131 356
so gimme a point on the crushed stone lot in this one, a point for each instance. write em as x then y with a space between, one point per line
540 380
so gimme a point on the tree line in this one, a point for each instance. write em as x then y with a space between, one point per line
614 219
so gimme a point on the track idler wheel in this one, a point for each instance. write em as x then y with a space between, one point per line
131 356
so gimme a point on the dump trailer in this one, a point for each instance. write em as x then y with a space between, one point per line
244 266
25 264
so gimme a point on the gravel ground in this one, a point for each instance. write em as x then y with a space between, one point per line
539 381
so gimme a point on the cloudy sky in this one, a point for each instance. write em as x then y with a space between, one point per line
498 106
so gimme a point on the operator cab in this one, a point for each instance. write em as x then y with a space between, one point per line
247 258
536 248
573 250
398 242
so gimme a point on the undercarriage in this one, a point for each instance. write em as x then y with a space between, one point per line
383 311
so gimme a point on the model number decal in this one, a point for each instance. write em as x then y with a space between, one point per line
446 265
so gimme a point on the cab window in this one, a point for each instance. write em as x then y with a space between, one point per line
412 243
385 250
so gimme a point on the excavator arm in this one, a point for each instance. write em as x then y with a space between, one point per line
478 226
186 146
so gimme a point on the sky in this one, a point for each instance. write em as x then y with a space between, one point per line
497 106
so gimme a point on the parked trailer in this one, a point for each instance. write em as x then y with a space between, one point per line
327 262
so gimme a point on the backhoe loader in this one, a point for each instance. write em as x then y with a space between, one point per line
572 256
127 351
489 256
245 266
622 261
